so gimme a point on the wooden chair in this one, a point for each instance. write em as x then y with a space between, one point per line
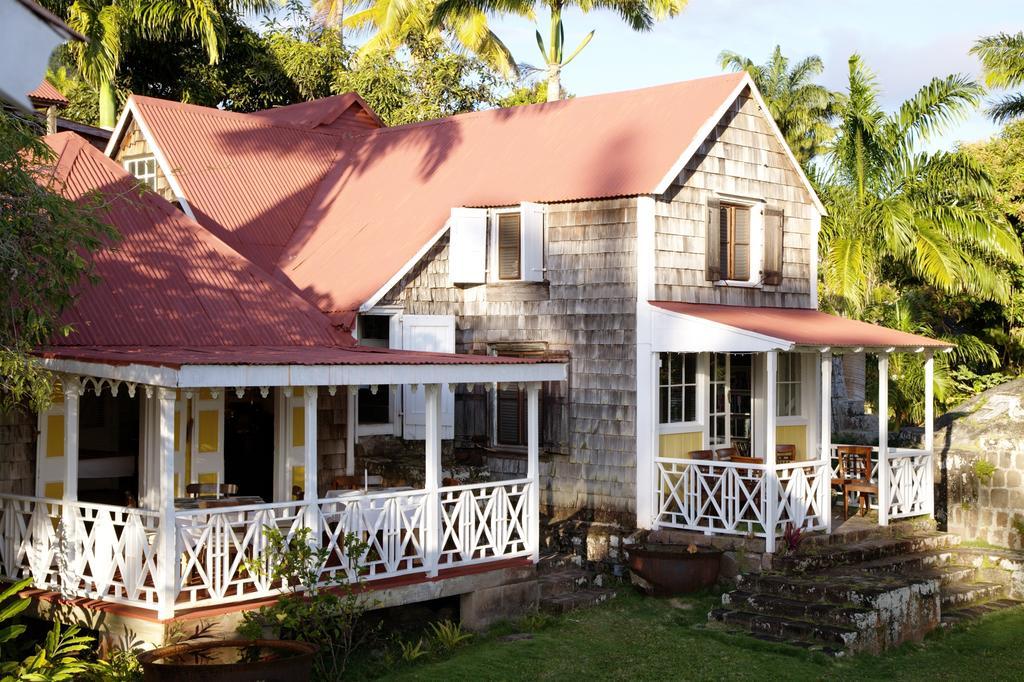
727 454
855 469
197 490
785 453
700 454
229 489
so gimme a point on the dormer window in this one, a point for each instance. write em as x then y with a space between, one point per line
734 238
744 242
510 245
496 245
143 168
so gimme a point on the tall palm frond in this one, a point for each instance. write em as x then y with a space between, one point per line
1002 61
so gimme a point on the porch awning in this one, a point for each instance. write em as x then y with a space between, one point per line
199 366
698 327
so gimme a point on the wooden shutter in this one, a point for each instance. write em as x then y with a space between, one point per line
740 269
510 417
774 227
532 223
435 333
509 246
712 244
467 246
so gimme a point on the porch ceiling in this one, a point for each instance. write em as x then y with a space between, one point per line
752 329
200 367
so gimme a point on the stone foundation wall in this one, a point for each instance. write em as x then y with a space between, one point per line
18 452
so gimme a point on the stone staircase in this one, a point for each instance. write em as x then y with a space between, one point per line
566 586
872 592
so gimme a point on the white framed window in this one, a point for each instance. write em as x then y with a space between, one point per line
677 388
508 245
516 245
143 168
789 382
377 407
734 241
730 401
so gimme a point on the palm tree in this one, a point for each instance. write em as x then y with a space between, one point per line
639 14
1002 61
896 213
108 23
801 108
393 23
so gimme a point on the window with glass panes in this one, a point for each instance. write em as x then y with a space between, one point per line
788 383
730 404
144 169
678 388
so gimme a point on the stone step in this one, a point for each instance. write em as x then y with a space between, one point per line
786 628
947 575
955 616
556 561
571 601
563 580
856 617
873 549
909 562
857 588
967 594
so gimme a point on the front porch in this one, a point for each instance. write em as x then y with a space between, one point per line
186 546
748 449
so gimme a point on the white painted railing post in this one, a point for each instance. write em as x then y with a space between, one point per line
351 419
533 465
167 587
884 497
309 479
929 430
771 475
826 434
432 447
69 551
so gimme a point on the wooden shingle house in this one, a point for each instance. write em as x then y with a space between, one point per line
616 294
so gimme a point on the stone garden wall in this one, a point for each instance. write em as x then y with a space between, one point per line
980 467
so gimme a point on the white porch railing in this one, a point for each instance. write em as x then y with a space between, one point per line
911 480
730 497
112 552
79 549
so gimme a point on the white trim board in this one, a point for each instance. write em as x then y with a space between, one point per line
217 376
679 333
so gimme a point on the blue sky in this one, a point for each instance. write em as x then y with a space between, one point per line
906 42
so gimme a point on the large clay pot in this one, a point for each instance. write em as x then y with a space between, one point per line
667 570
230 660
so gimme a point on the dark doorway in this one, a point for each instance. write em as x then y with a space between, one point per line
249 443
108 447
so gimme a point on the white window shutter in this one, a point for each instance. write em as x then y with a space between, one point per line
532 221
467 246
434 333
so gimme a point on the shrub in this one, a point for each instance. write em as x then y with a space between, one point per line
984 470
448 636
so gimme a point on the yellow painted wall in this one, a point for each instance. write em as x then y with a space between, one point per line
54 490
55 435
680 444
793 435
209 430
298 427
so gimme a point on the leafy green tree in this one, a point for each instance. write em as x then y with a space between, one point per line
392 24
109 25
1002 59
801 108
899 214
43 238
640 15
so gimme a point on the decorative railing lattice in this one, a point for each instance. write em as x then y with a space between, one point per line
110 553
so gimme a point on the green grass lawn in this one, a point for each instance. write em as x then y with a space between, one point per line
634 637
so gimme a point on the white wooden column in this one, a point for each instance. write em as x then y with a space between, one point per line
309 463
929 428
432 478
351 421
883 439
825 429
72 393
771 477
168 559
533 464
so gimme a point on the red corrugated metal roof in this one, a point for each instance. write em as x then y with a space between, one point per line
247 180
168 281
339 113
353 209
803 327
391 190
263 355
46 94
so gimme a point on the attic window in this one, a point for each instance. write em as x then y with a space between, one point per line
144 169
734 236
